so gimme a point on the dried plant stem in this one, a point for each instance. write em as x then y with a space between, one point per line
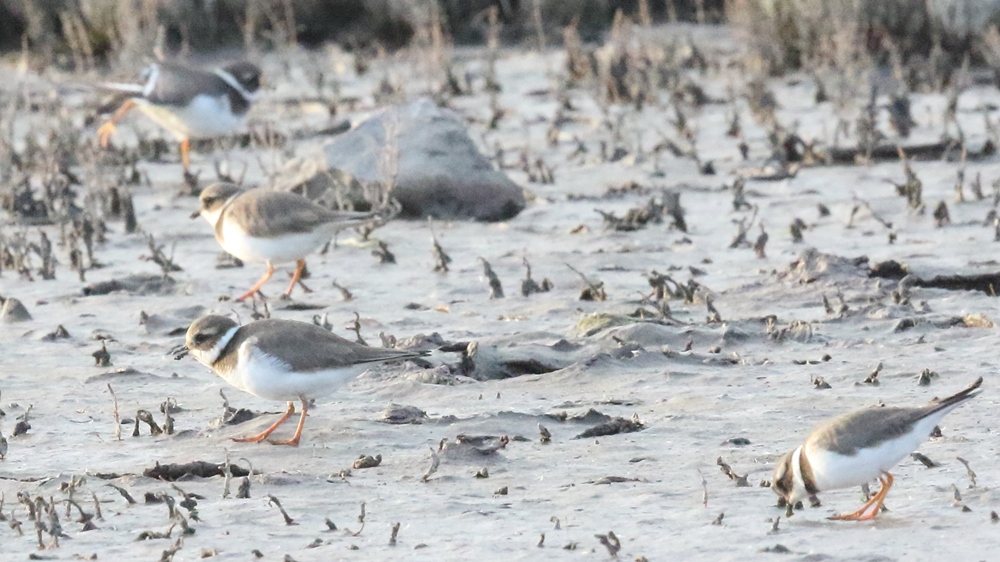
118 420
536 16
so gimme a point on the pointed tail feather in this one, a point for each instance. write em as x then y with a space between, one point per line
395 355
956 399
342 220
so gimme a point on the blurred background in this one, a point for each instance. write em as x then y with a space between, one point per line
785 33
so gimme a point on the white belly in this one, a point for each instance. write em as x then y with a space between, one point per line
260 375
281 249
833 471
205 117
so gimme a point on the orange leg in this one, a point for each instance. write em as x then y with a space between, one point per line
294 441
185 153
857 515
874 505
300 266
882 493
253 290
871 501
263 435
108 128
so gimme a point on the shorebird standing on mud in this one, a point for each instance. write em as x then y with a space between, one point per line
281 360
270 226
857 448
189 103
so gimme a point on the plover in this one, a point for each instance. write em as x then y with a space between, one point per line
189 103
281 360
271 226
857 448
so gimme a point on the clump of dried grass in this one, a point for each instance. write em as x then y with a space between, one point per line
786 35
845 35
82 34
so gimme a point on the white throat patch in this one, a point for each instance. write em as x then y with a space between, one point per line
798 491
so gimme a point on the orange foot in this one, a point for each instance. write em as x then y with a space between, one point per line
107 129
264 434
873 506
253 290
105 132
294 441
300 266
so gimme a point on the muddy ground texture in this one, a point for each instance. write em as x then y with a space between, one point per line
692 348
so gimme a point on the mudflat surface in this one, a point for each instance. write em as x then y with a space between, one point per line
737 385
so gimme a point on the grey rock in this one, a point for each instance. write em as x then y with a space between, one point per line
813 265
398 414
14 311
436 170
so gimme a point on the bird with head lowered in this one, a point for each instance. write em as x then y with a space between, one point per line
856 448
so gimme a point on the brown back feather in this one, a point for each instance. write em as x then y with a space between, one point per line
264 212
851 432
315 348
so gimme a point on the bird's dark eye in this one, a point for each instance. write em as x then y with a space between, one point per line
201 338
208 200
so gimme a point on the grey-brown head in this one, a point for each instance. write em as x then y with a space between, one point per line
783 483
207 336
213 199
789 481
246 74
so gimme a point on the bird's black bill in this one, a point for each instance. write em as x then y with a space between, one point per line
180 352
195 215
